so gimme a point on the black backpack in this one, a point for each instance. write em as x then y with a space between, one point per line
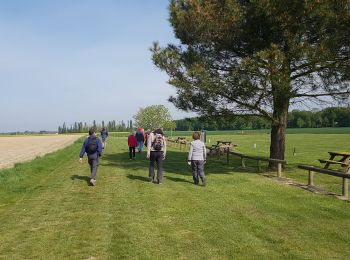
91 146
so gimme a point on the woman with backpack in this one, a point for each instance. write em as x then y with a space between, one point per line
156 152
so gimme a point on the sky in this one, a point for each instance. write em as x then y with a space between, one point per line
80 60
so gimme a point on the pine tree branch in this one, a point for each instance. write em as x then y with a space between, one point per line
307 72
322 94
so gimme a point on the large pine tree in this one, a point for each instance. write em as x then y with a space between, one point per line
257 57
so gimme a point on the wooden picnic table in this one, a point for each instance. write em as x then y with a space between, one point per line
223 142
343 160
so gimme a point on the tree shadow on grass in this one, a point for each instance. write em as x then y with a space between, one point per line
82 178
176 163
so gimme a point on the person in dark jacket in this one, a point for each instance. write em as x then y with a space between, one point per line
92 146
104 135
140 137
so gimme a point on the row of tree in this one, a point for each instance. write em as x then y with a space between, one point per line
329 117
147 118
80 127
159 116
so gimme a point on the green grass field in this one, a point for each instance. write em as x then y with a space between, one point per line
48 211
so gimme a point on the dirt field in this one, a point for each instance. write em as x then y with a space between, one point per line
25 148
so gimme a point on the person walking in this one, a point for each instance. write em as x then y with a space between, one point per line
140 137
92 146
197 157
156 152
132 143
104 135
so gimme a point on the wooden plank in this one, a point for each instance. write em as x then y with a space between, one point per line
334 162
224 142
324 171
259 158
340 153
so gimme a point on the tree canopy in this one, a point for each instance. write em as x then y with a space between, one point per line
154 116
256 57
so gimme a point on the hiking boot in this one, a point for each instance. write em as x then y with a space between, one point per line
93 182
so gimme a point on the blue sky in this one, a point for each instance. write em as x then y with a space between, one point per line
80 60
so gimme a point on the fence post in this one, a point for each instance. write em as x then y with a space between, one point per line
242 162
345 187
311 178
228 155
279 169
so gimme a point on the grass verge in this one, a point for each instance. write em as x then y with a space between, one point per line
48 211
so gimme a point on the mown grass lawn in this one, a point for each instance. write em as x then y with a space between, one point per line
48 211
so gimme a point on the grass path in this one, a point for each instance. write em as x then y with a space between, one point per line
48 211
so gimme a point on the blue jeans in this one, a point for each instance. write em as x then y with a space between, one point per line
139 145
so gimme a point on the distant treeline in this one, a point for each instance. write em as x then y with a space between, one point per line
329 117
80 127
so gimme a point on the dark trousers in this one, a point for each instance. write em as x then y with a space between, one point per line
131 152
93 162
156 158
198 171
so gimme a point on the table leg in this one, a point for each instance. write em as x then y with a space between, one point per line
327 163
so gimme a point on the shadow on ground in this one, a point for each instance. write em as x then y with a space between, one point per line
82 178
137 177
175 162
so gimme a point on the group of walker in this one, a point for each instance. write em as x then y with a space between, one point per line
156 153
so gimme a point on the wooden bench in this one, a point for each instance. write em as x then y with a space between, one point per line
342 174
259 159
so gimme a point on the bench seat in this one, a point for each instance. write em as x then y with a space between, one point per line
334 162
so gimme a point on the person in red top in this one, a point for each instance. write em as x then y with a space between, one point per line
132 142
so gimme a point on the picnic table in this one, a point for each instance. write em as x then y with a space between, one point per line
343 160
220 148
343 173
224 143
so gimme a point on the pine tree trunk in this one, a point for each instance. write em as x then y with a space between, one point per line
278 132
